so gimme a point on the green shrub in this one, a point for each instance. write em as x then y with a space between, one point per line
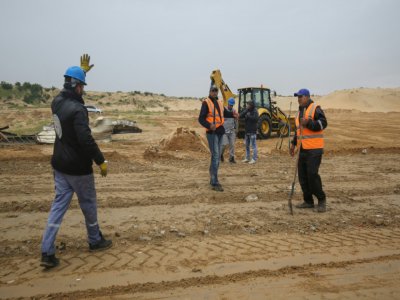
6 85
34 93
26 86
36 89
30 99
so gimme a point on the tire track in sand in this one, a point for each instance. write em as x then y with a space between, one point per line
183 256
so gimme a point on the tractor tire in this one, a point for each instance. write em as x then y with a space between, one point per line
264 126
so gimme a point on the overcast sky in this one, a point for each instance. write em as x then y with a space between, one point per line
171 46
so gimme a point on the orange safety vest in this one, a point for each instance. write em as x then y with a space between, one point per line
213 116
310 139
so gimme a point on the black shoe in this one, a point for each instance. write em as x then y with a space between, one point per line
222 158
102 245
305 205
321 206
49 261
217 188
232 160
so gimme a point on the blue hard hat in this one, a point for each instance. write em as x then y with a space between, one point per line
231 101
76 73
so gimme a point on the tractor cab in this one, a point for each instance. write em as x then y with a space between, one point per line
271 117
260 97
262 100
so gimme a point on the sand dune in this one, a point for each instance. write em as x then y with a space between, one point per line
362 99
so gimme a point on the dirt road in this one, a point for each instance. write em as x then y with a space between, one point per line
176 239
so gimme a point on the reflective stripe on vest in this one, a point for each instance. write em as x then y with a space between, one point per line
213 116
310 139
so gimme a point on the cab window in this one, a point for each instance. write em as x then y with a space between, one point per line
245 96
267 102
257 98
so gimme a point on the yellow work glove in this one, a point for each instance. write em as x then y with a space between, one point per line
103 168
85 61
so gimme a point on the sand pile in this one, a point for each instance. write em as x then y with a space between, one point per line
182 142
184 139
363 99
154 152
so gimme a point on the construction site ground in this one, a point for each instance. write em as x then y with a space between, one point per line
174 238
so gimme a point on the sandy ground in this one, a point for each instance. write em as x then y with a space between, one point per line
174 238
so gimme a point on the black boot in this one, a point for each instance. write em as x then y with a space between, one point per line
232 160
218 187
305 205
49 261
222 158
321 206
101 245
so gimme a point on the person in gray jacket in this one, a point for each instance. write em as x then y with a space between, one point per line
230 116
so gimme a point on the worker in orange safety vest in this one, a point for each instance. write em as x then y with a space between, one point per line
310 125
211 117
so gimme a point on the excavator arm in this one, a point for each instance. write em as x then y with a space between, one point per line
216 79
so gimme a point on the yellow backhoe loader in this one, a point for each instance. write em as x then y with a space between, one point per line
272 118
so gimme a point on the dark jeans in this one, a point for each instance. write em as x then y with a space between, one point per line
309 178
251 140
215 144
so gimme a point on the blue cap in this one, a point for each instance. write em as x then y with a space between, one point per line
302 92
231 101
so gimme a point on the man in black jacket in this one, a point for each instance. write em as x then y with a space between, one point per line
310 123
250 115
74 151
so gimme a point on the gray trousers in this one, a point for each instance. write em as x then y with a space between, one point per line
229 139
65 186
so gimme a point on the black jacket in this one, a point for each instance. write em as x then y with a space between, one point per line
203 116
319 123
250 120
74 148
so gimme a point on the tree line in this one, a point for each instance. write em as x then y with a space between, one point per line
31 93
